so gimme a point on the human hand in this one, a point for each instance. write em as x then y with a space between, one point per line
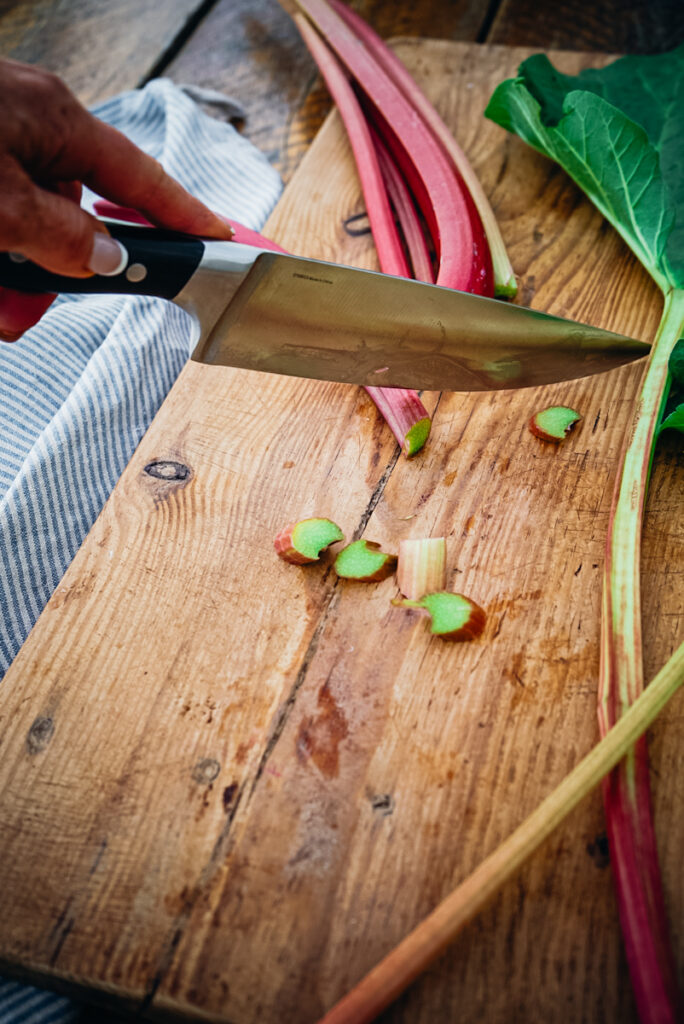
50 146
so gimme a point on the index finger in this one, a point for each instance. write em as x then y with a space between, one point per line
110 164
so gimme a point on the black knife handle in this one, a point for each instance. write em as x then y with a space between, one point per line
159 263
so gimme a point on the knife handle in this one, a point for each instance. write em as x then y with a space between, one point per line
159 263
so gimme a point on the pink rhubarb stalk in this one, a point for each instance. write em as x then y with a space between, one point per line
464 263
405 414
627 798
407 215
504 278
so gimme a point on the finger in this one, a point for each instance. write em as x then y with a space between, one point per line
70 190
19 311
111 165
52 230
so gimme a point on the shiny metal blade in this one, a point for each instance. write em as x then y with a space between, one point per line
320 320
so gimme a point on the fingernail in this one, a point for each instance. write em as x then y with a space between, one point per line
108 257
10 335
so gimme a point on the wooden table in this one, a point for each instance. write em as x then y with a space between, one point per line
248 48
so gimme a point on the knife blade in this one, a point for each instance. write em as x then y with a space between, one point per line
265 310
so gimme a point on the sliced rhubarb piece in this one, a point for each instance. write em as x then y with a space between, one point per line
302 543
421 568
406 416
554 423
454 617
364 560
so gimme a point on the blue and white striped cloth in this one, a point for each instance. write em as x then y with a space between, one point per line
78 391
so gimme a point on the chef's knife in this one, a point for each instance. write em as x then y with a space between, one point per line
264 310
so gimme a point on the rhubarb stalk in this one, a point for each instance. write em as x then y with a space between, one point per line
627 797
463 263
504 278
405 414
615 130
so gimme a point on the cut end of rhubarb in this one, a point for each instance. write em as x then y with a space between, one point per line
554 423
302 543
507 289
454 616
421 568
416 436
365 561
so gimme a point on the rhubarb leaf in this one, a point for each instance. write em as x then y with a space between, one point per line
673 414
675 420
619 133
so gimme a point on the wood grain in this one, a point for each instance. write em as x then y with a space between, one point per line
97 48
228 785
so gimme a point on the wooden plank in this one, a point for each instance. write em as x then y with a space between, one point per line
640 26
270 68
229 785
98 48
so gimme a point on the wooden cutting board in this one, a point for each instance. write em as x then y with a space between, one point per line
228 785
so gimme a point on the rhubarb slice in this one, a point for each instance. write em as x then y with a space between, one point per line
364 560
421 568
302 543
454 617
554 423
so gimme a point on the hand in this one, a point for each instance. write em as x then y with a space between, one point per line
50 146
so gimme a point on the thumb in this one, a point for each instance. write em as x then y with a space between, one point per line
59 235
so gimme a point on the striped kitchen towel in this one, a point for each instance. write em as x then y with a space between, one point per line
78 391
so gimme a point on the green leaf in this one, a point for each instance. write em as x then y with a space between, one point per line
676 363
619 133
675 421
673 414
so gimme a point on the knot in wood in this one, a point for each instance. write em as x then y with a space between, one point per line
39 735
166 469
206 770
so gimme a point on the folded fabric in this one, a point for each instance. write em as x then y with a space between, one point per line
78 391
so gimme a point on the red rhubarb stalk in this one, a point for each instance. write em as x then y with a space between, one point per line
407 215
380 216
627 797
443 198
504 278
406 416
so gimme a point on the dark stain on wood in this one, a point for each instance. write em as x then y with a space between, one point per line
39 735
382 804
599 850
206 770
229 795
319 736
